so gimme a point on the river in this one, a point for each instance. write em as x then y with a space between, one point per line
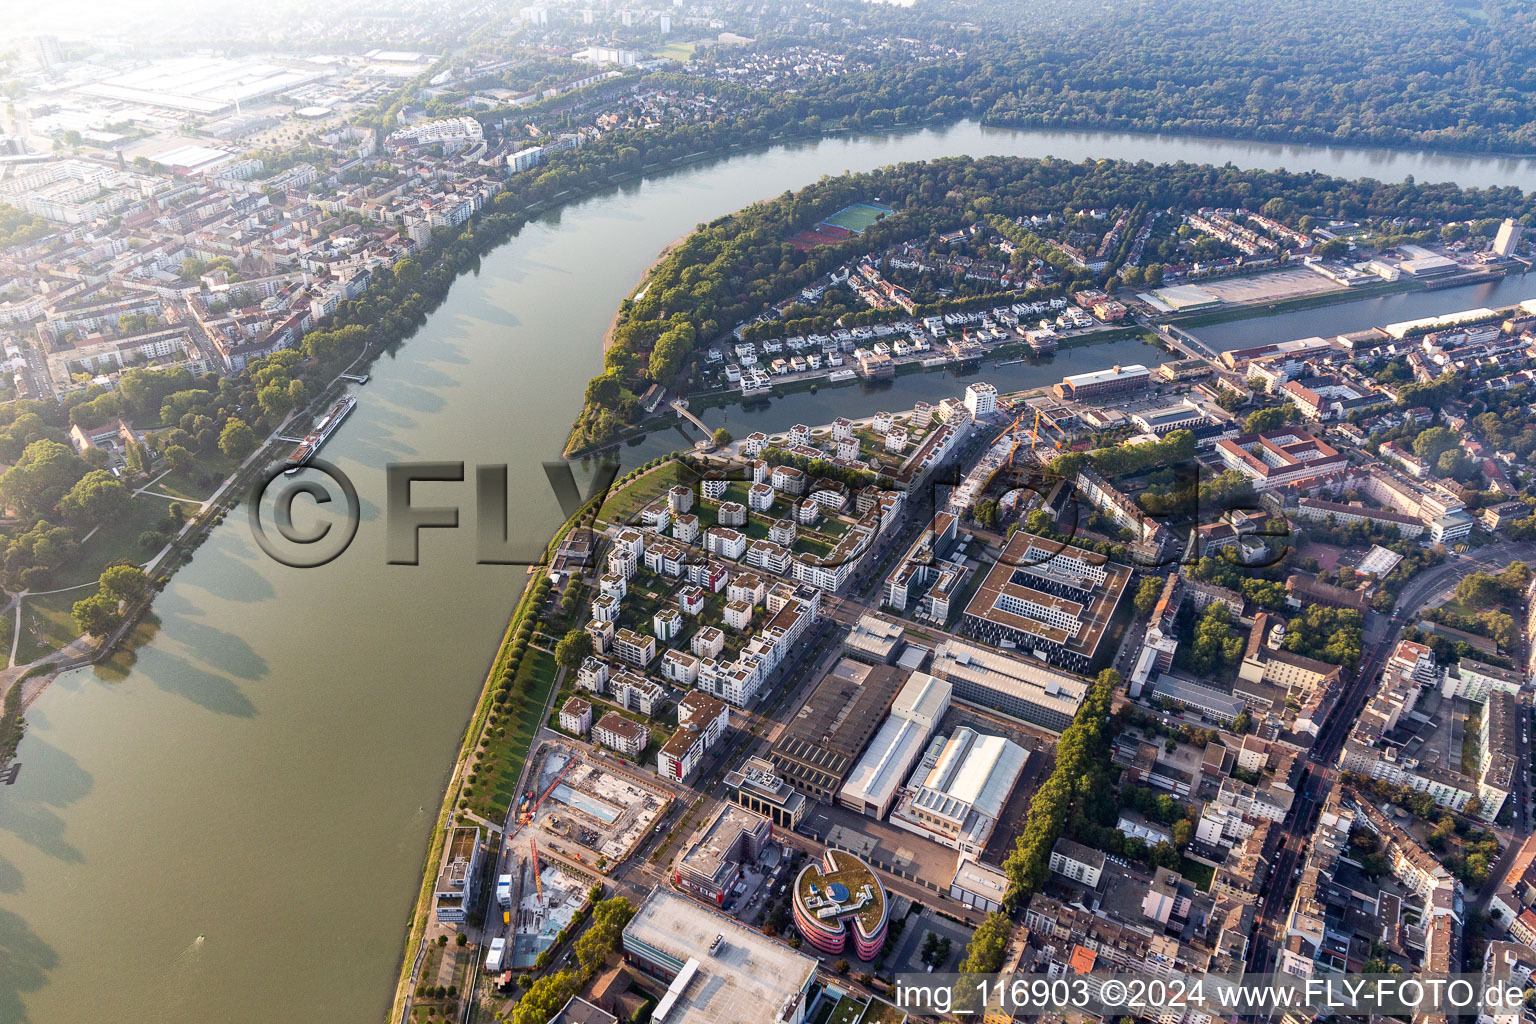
232 829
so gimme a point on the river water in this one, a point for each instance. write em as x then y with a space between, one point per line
231 829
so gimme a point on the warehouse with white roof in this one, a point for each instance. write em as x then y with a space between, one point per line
959 789
918 708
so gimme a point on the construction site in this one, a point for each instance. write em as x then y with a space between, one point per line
543 899
1026 443
586 811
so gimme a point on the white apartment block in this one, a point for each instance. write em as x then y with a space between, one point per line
708 642
680 667
637 693
623 561
980 399
616 732
634 648
605 608
593 674
667 624
576 716
613 584
680 499
759 498
725 542
685 529
738 615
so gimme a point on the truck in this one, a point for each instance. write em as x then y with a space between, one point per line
504 890
494 954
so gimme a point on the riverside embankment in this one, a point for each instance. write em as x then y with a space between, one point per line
266 770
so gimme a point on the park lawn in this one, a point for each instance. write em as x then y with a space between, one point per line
833 526
757 527
624 503
735 491
1455 606
48 623
191 485
808 544
114 541
512 737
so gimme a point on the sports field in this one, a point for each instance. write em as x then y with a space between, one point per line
858 217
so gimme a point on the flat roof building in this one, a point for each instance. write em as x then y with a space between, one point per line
1048 598
915 714
957 793
838 897
819 746
756 785
718 970
456 878
1217 704
711 864
1099 383
1500 749
979 886
1078 862
1023 688
873 639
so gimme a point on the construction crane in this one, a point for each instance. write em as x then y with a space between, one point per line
1035 435
538 883
527 815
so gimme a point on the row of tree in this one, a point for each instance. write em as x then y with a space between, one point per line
1081 755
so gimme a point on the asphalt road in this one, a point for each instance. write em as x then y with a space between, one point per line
1381 641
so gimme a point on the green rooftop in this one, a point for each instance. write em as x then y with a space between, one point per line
852 873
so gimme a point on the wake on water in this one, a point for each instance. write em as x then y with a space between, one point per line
184 966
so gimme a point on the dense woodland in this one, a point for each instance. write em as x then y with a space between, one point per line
733 268
1380 72
1441 74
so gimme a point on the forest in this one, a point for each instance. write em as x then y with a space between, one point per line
1383 72
1443 75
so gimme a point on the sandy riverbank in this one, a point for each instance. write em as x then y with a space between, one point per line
666 251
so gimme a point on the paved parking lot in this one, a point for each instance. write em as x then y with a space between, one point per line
906 956
884 844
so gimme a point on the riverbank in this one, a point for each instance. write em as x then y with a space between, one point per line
725 398
518 667
639 288
84 650
1318 300
306 721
